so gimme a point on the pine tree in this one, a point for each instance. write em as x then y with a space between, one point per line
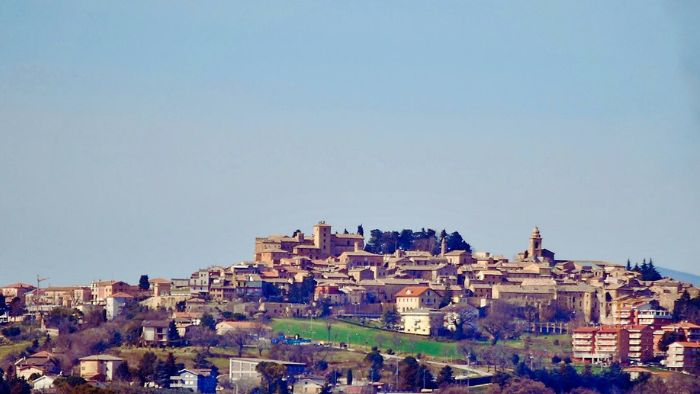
173 334
144 284
629 265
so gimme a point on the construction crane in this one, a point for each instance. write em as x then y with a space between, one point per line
39 280
37 294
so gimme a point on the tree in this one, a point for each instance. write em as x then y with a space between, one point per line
629 265
144 284
348 377
405 240
161 375
413 376
456 242
361 230
3 305
515 359
498 323
208 321
391 318
445 376
668 338
122 372
146 368
58 317
171 365
427 381
332 377
201 361
329 327
302 293
239 339
446 297
376 362
409 374
324 307
273 375
173 334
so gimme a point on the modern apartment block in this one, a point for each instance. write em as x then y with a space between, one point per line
606 344
683 356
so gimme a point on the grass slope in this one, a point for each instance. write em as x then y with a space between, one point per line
365 337
359 336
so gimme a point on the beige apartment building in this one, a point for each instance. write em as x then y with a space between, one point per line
417 297
683 356
422 321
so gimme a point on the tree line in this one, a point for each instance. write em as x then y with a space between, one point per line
647 270
387 242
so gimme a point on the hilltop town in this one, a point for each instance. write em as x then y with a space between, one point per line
325 305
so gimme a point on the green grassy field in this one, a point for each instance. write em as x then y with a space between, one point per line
11 348
366 337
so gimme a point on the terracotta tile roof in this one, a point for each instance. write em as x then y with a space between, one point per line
121 295
684 324
18 285
412 291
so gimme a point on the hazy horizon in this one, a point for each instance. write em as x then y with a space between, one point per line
163 137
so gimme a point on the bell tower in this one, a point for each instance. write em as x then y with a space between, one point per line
534 249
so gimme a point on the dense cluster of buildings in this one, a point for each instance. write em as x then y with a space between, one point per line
621 317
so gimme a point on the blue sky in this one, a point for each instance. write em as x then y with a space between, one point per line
158 138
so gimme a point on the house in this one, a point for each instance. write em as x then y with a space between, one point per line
43 383
155 333
160 286
415 297
115 303
41 363
309 386
197 380
422 321
16 290
683 356
244 368
100 290
459 257
331 293
99 367
360 259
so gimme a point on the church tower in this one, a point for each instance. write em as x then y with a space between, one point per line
534 249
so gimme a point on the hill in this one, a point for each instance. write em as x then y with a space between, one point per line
679 275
